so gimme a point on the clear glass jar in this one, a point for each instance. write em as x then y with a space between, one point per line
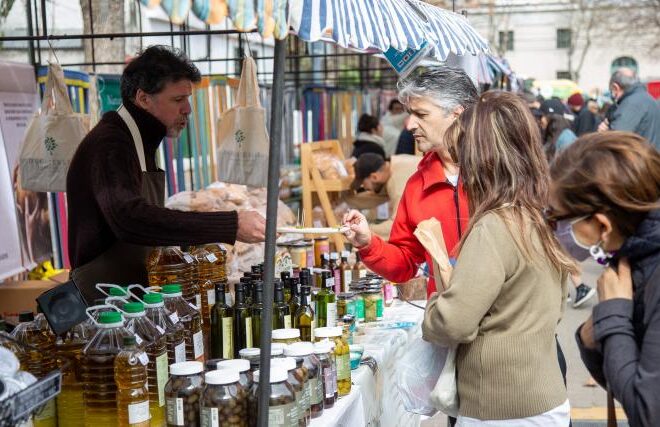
342 356
282 408
346 304
286 336
241 366
224 400
252 355
289 363
327 372
359 301
304 353
183 393
373 303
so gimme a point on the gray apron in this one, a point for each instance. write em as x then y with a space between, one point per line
123 263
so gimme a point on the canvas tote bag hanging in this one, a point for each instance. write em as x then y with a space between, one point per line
242 135
52 137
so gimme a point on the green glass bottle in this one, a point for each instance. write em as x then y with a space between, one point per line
294 289
256 311
247 290
222 326
242 322
285 276
281 313
326 305
304 318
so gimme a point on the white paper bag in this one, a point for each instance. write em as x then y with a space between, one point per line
242 135
52 138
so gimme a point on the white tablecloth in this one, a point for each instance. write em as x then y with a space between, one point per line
379 401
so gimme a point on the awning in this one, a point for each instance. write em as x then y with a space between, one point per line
378 25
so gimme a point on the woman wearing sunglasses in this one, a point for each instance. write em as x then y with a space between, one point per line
605 204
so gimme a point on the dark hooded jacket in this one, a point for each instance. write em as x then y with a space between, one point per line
628 332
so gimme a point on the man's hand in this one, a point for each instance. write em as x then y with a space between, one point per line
357 232
251 227
604 126
616 284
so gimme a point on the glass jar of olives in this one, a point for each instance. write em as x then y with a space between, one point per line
298 385
242 366
342 356
224 400
183 392
252 355
327 372
304 352
282 408
373 305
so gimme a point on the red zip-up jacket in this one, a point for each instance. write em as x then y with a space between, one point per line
428 194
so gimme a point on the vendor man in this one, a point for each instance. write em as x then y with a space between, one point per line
385 178
434 98
116 193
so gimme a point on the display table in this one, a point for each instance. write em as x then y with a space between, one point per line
374 394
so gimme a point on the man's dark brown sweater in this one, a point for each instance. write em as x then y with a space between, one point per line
104 195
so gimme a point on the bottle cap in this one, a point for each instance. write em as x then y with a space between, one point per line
118 292
221 377
153 298
286 334
171 289
277 375
186 368
25 316
277 349
249 352
299 349
110 317
238 365
134 307
328 332
287 363
129 340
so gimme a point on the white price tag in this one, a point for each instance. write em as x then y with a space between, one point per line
211 258
138 412
138 339
143 358
198 344
174 317
210 297
198 301
161 330
180 353
189 259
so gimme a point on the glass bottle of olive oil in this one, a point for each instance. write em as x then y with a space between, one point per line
242 322
222 326
304 318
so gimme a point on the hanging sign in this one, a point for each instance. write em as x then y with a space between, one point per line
406 61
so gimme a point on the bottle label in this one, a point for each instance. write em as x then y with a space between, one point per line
379 309
283 415
198 346
315 391
344 367
331 310
143 358
210 417
334 378
189 259
348 278
248 332
307 396
211 258
198 302
300 403
47 412
228 338
161 330
180 353
138 339
328 383
363 272
359 308
287 322
138 412
330 282
161 377
314 323
174 317
210 298
337 278
175 414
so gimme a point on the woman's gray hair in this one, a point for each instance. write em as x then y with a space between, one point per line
446 87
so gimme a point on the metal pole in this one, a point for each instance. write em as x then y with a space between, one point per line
117 35
31 53
43 17
277 113
91 30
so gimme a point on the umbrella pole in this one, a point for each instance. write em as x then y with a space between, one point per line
276 118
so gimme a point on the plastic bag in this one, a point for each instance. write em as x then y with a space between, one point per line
419 371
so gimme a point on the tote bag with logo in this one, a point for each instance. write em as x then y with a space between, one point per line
242 135
52 138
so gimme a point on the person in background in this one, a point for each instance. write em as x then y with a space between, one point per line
585 121
507 290
605 204
434 98
557 133
636 111
393 123
386 178
369 138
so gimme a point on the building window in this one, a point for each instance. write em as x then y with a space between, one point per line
564 38
506 40
564 75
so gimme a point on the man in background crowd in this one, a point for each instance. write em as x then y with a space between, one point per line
585 121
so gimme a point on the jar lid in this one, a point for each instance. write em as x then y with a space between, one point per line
327 332
372 291
287 363
134 307
322 347
286 334
221 377
250 352
299 349
277 374
346 295
153 298
277 349
186 368
238 365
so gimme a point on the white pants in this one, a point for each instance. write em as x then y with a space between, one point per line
557 417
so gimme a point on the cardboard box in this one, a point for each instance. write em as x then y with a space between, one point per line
20 296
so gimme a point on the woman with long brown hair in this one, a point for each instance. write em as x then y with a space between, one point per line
605 202
508 288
